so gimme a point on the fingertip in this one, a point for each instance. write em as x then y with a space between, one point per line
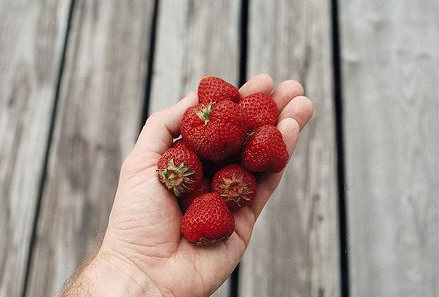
310 106
265 78
260 83
293 84
301 109
164 125
285 92
306 110
189 94
191 98
290 129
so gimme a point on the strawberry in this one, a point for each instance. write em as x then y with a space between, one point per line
265 151
186 200
260 110
235 185
207 220
180 170
215 131
214 89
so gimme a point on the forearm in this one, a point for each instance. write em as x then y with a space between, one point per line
107 276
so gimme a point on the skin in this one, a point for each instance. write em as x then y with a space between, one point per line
143 252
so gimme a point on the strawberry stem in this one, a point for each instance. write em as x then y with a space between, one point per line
204 113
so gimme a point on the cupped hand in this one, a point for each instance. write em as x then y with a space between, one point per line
143 239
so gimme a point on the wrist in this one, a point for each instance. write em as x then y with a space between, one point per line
108 275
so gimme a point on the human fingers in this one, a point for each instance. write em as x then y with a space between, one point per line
292 119
285 92
268 182
157 135
245 217
161 127
300 108
261 83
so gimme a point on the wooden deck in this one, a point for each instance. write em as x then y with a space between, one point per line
357 213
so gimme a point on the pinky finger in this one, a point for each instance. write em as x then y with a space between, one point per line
290 130
300 108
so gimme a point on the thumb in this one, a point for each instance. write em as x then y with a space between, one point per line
161 127
157 135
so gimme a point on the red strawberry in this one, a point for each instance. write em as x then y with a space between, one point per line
265 151
215 131
260 109
180 170
235 185
188 198
207 220
214 89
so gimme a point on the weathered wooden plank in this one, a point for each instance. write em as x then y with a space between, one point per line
390 55
194 39
98 118
31 44
294 249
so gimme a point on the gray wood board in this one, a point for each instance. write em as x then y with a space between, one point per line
97 121
294 250
390 58
194 39
31 44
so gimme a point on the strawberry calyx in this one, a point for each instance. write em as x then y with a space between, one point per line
204 113
235 189
176 178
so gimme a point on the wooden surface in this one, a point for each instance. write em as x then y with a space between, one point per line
98 117
390 66
31 43
389 59
194 39
294 247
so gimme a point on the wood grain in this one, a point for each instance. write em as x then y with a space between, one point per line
390 71
194 39
294 248
97 121
31 43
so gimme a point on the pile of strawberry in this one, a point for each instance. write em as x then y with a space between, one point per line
224 139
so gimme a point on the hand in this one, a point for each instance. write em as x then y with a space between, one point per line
143 251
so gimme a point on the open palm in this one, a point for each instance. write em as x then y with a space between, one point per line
144 226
